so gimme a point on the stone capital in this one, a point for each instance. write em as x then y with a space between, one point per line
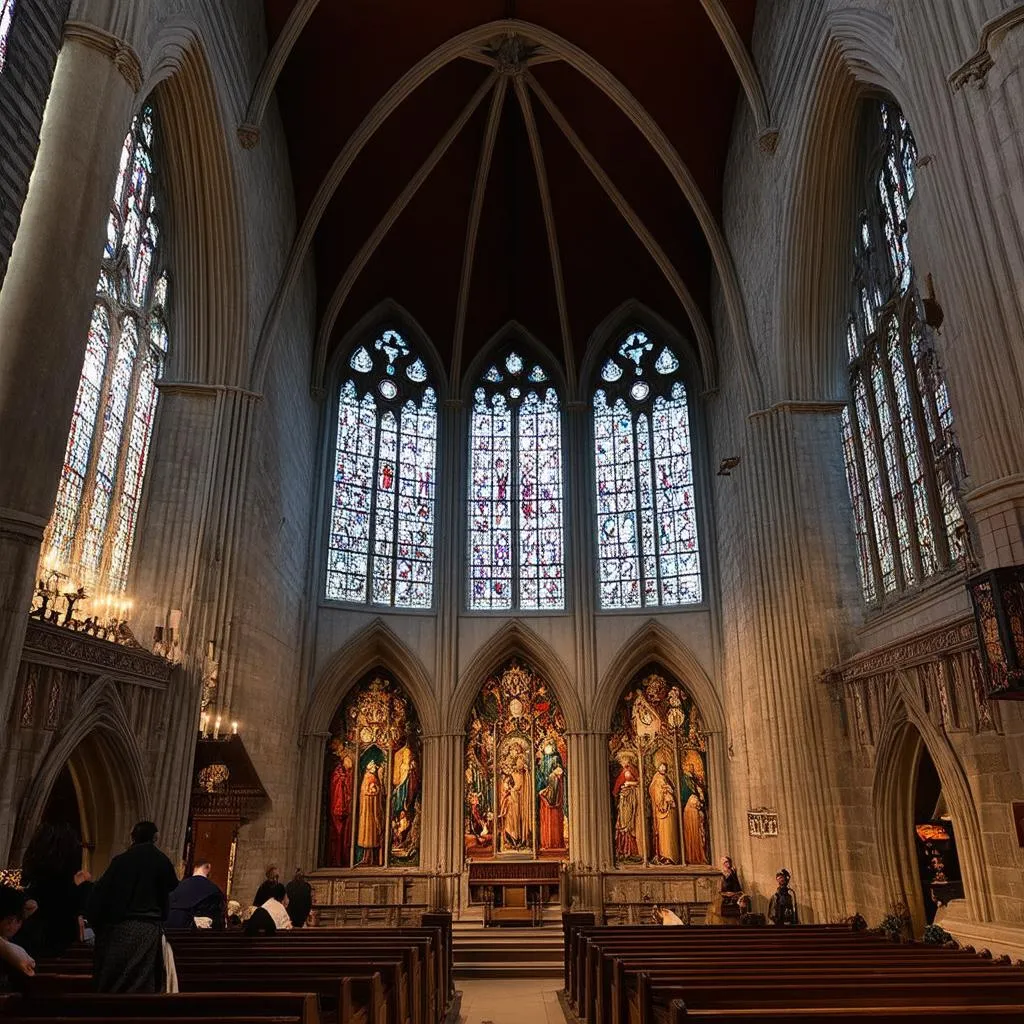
121 54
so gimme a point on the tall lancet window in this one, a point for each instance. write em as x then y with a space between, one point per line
903 463
6 19
92 530
381 544
515 505
647 548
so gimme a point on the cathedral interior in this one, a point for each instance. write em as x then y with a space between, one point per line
505 457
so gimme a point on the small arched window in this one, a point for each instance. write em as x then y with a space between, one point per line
381 542
647 548
515 506
6 20
903 463
92 530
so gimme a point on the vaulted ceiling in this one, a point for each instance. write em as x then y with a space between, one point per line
524 143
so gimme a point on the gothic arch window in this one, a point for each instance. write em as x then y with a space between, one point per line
516 788
381 540
903 463
373 802
658 774
515 504
6 20
647 546
92 531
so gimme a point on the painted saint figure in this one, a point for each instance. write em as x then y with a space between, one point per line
516 805
340 808
370 837
695 828
628 813
552 817
665 820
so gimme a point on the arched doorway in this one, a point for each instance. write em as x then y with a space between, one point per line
938 864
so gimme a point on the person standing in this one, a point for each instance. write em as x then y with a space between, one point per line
782 907
300 899
267 886
52 875
128 908
197 902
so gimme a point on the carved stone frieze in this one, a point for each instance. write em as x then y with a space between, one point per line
65 648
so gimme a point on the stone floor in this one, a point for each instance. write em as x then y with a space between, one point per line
510 1001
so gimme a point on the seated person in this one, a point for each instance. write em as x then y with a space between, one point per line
272 916
15 963
197 902
732 902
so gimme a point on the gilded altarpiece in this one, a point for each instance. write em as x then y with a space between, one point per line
658 775
372 794
516 792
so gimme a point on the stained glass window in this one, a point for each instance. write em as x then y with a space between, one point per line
903 463
647 548
381 543
6 19
92 530
515 506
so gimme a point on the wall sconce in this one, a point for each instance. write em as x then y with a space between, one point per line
998 598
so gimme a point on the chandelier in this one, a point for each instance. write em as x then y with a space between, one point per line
60 601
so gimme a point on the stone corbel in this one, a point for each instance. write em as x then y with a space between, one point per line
121 54
977 66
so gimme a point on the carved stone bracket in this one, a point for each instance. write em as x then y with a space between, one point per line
977 66
123 56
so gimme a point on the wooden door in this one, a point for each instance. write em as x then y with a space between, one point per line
211 840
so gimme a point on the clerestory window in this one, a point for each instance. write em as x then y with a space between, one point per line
903 463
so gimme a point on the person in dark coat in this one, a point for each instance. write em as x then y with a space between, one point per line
264 892
272 916
300 899
128 908
197 897
53 879
782 906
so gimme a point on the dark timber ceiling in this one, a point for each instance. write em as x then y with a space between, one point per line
666 52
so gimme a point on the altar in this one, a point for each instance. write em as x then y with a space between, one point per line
514 892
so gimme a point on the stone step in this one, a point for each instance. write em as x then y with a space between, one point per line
508 969
510 954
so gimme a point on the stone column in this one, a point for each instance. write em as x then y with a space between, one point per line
45 306
590 838
786 594
441 845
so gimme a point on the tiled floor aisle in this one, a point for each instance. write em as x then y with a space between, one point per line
510 1001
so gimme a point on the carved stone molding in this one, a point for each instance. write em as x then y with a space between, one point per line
23 524
64 648
249 135
949 638
977 66
123 56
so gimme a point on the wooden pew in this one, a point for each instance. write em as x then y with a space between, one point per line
849 1015
300 1007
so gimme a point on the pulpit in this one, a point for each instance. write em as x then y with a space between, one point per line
514 892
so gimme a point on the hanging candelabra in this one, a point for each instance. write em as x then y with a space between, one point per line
59 601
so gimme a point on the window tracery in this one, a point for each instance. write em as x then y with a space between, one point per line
381 543
902 459
92 530
647 545
515 501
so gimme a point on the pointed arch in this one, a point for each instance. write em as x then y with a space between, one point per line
906 728
653 642
206 232
389 313
509 332
854 57
374 645
633 311
514 639
100 728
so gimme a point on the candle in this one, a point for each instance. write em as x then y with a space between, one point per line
216 728
203 719
174 619
234 728
210 650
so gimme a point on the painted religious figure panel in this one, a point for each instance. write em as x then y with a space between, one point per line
516 790
372 797
658 774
